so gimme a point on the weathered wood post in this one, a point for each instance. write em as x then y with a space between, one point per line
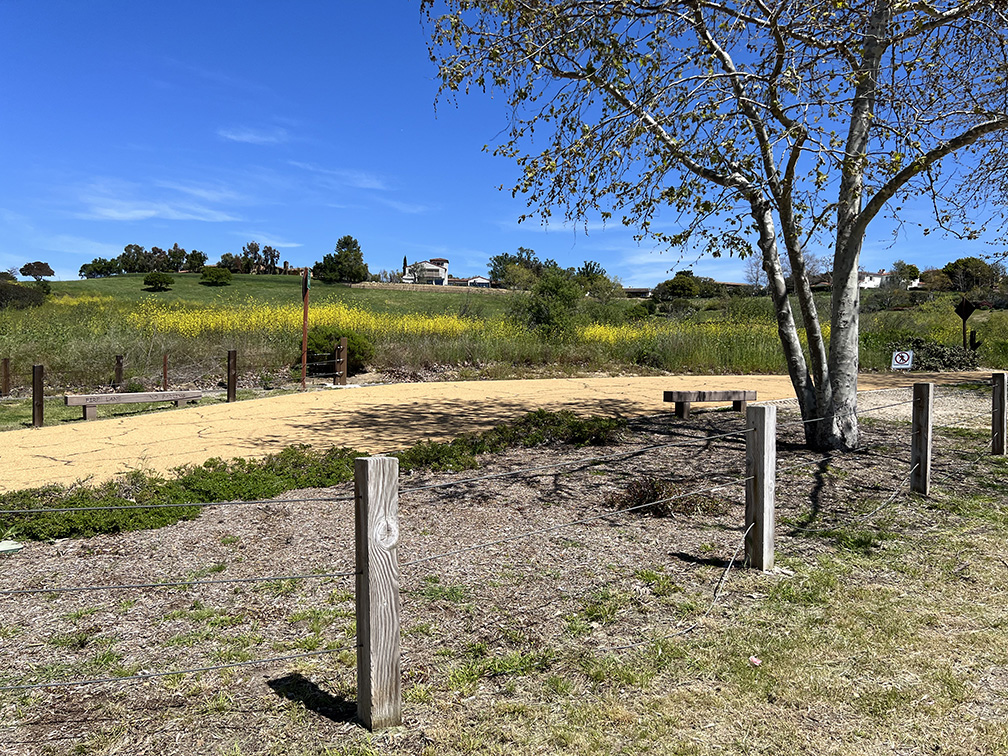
118 379
998 425
376 489
340 359
232 375
38 374
164 374
920 441
5 377
761 474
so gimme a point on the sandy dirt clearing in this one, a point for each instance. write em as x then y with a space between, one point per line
376 419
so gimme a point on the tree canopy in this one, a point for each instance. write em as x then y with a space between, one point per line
37 270
344 265
968 273
749 127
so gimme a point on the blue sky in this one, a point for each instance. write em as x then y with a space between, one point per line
211 124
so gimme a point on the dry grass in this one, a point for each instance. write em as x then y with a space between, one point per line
884 631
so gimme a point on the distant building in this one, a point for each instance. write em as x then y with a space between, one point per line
872 280
481 282
635 292
433 272
880 279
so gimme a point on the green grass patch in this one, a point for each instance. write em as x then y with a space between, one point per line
248 480
434 590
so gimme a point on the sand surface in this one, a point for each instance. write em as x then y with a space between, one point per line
376 419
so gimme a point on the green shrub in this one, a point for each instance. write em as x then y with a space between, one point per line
322 340
214 276
551 308
638 312
931 356
158 281
18 296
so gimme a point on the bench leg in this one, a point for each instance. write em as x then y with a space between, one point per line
178 403
90 412
739 405
682 410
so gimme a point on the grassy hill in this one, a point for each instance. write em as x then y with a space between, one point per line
279 290
463 333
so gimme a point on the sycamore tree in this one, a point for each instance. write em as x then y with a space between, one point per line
749 127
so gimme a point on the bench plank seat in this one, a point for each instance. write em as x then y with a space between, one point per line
90 402
683 399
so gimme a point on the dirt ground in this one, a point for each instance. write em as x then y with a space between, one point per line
566 603
375 418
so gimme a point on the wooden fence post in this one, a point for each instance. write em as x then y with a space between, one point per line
5 377
379 693
920 442
341 357
998 425
38 374
118 379
164 374
761 474
232 375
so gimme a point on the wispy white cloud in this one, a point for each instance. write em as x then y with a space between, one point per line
134 210
267 240
208 193
407 208
111 199
79 246
248 135
349 178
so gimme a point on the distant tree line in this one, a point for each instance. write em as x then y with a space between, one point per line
138 259
967 274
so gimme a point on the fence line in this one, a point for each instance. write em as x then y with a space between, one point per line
571 523
176 584
465 481
856 413
589 462
868 515
710 606
150 675
119 507
380 530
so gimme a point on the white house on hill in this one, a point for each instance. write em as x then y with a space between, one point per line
880 279
433 271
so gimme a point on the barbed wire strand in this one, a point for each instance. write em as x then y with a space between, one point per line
983 452
120 507
590 461
477 479
710 607
868 515
804 421
150 675
176 584
569 524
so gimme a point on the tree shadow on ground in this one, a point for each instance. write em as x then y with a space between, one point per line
298 688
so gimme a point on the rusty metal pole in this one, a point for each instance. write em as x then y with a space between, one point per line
38 408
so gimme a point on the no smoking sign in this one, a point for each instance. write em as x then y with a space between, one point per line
902 360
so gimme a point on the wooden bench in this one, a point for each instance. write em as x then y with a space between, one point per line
90 402
683 399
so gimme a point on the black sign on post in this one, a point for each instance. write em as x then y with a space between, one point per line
964 309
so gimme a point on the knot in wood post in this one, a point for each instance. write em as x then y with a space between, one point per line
379 687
